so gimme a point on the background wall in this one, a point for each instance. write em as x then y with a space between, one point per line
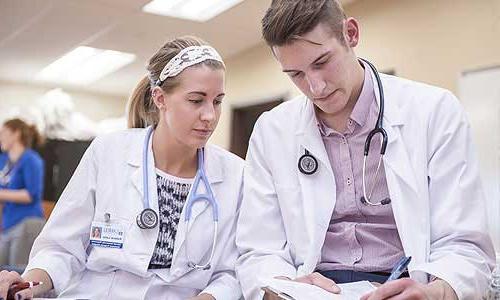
95 106
427 40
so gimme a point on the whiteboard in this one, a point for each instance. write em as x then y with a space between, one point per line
479 92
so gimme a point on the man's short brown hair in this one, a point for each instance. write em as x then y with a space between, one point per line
287 20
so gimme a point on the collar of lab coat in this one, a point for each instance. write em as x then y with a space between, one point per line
307 129
392 114
401 180
214 169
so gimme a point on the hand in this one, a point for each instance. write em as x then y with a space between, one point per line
7 279
203 296
409 289
315 279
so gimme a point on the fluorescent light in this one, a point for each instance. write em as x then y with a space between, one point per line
195 10
84 65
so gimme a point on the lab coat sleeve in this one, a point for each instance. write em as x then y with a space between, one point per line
261 238
60 249
223 284
461 251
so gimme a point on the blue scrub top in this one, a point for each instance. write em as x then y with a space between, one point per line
27 174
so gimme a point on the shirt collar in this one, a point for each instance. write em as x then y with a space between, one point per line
366 97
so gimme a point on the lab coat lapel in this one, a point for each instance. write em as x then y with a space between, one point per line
135 161
402 183
396 154
318 189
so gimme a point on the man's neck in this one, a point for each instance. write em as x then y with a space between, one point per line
338 121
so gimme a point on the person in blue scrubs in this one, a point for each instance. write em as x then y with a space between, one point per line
21 189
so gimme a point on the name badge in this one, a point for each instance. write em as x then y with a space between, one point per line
107 234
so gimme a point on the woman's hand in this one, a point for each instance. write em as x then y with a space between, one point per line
7 281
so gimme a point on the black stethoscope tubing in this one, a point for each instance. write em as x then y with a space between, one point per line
378 129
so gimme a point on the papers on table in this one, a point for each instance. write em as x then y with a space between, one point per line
291 290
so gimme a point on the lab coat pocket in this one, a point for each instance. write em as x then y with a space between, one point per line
91 284
195 279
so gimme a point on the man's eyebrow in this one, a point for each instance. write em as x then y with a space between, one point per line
315 61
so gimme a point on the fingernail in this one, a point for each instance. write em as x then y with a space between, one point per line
336 289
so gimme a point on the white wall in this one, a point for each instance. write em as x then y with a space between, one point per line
426 40
94 106
480 93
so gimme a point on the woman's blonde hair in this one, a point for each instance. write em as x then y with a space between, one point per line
141 108
30 137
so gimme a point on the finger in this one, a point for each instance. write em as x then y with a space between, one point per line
324 283
24 294
269 295
390 289
6 280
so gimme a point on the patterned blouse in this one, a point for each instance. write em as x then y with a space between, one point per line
172 194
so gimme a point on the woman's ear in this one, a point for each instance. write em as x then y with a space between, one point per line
159 98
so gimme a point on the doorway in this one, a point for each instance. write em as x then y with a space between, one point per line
243 120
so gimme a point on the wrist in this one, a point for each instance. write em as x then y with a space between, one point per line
440 289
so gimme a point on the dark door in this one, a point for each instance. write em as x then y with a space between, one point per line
243 121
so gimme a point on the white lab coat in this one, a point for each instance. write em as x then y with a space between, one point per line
109 180
432 176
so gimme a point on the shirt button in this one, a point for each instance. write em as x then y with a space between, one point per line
349 181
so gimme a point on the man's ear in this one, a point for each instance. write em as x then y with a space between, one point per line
351 32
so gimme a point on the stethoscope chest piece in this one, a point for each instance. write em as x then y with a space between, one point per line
308 164
147 219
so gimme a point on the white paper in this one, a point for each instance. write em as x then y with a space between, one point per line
303 291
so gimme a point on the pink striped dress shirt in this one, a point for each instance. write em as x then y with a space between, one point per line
359 238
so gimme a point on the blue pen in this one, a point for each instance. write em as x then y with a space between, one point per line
399 268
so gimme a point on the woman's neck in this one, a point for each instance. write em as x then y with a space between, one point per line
16 151
172 157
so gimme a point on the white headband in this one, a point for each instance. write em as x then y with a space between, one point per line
187 57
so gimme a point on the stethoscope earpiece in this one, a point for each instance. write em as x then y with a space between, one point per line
385 201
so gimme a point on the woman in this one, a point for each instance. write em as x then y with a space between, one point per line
146 249
21 188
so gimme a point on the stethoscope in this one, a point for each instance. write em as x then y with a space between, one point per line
148 218
309 165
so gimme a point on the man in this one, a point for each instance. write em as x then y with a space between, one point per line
310 211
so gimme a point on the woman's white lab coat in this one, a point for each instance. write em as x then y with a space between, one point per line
109 180
432 176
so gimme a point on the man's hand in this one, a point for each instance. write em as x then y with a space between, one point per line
203 296
315 279
409 289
